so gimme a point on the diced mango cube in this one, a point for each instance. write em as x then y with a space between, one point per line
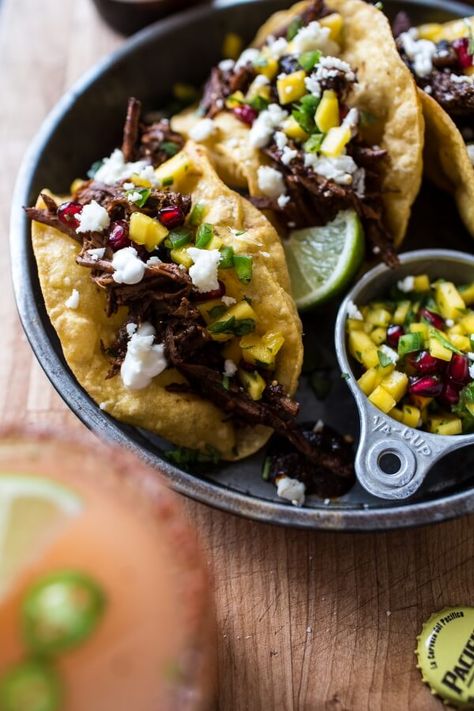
335 141
432 31
354 324
378 335
461 342
147 231
445 424
411 416
421 328
335 23
208 309
449 300
266 65
262 350
234 100
293 130
421 283
401 312
76 185
240 312
140 182
363 348
437 350
368 381
232 45
382 399
327 113
467 293
455 29
379 317
180 255
456 330
395 384
421 401
253 383
396 414
467 323
232 350
291 87
174 170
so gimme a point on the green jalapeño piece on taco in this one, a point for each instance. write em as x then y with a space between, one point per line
160 282
441 58
319 116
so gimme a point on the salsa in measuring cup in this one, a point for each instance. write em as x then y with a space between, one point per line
416 349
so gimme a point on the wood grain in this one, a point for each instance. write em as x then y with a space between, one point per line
307 621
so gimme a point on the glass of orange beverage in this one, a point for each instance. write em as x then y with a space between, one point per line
104 597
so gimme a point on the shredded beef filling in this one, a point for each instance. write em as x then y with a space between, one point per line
155 142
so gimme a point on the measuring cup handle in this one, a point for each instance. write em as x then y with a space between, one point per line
393 460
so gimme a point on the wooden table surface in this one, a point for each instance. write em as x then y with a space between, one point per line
307 621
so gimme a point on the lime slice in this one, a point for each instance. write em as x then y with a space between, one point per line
323 260
33 511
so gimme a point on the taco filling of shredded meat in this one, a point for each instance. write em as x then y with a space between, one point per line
443 67
150 250
293 92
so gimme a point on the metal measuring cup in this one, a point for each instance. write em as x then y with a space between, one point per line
392 459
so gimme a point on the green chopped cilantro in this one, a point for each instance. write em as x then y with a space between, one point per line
144 194
384 360
166 182
170 148
204 235
267 468
304 112
185 457
313 144
217 311
258 103
293 28
308 60
232 325
441 338
465 407
226 382
345 376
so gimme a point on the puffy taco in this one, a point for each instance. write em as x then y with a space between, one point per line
320 115
441 58
161 285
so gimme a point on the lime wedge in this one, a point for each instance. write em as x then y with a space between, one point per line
323 260
33 510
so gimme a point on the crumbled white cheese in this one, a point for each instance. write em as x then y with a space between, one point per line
93 218
259 82
134 196
428 89
270 181
419 51
340 169
203 272
129 269
318 427
248 56
129 186
282 201
351 120
470 152
226 65
288 154
277 48
265 124
329 67
115 168
73 301
313 86
407 284
358 182
153 261
281 140
131 328
228 300
462 79
103 405
291 490
470 355
203 130
449 322
230 368
353 312
471 371
144 359
96 254
389 352
313 37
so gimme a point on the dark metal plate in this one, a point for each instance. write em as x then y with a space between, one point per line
85 125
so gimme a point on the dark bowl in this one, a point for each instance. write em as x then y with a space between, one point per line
128 16
85 125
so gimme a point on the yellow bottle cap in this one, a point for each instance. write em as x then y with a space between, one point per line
445 652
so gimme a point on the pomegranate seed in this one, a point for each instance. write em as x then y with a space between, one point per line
462 50
434 319
246 114
118 235
458 369
427 386
209 295
394 333
424 363
171 217
68 213
449 395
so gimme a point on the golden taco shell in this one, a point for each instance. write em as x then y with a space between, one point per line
185 419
